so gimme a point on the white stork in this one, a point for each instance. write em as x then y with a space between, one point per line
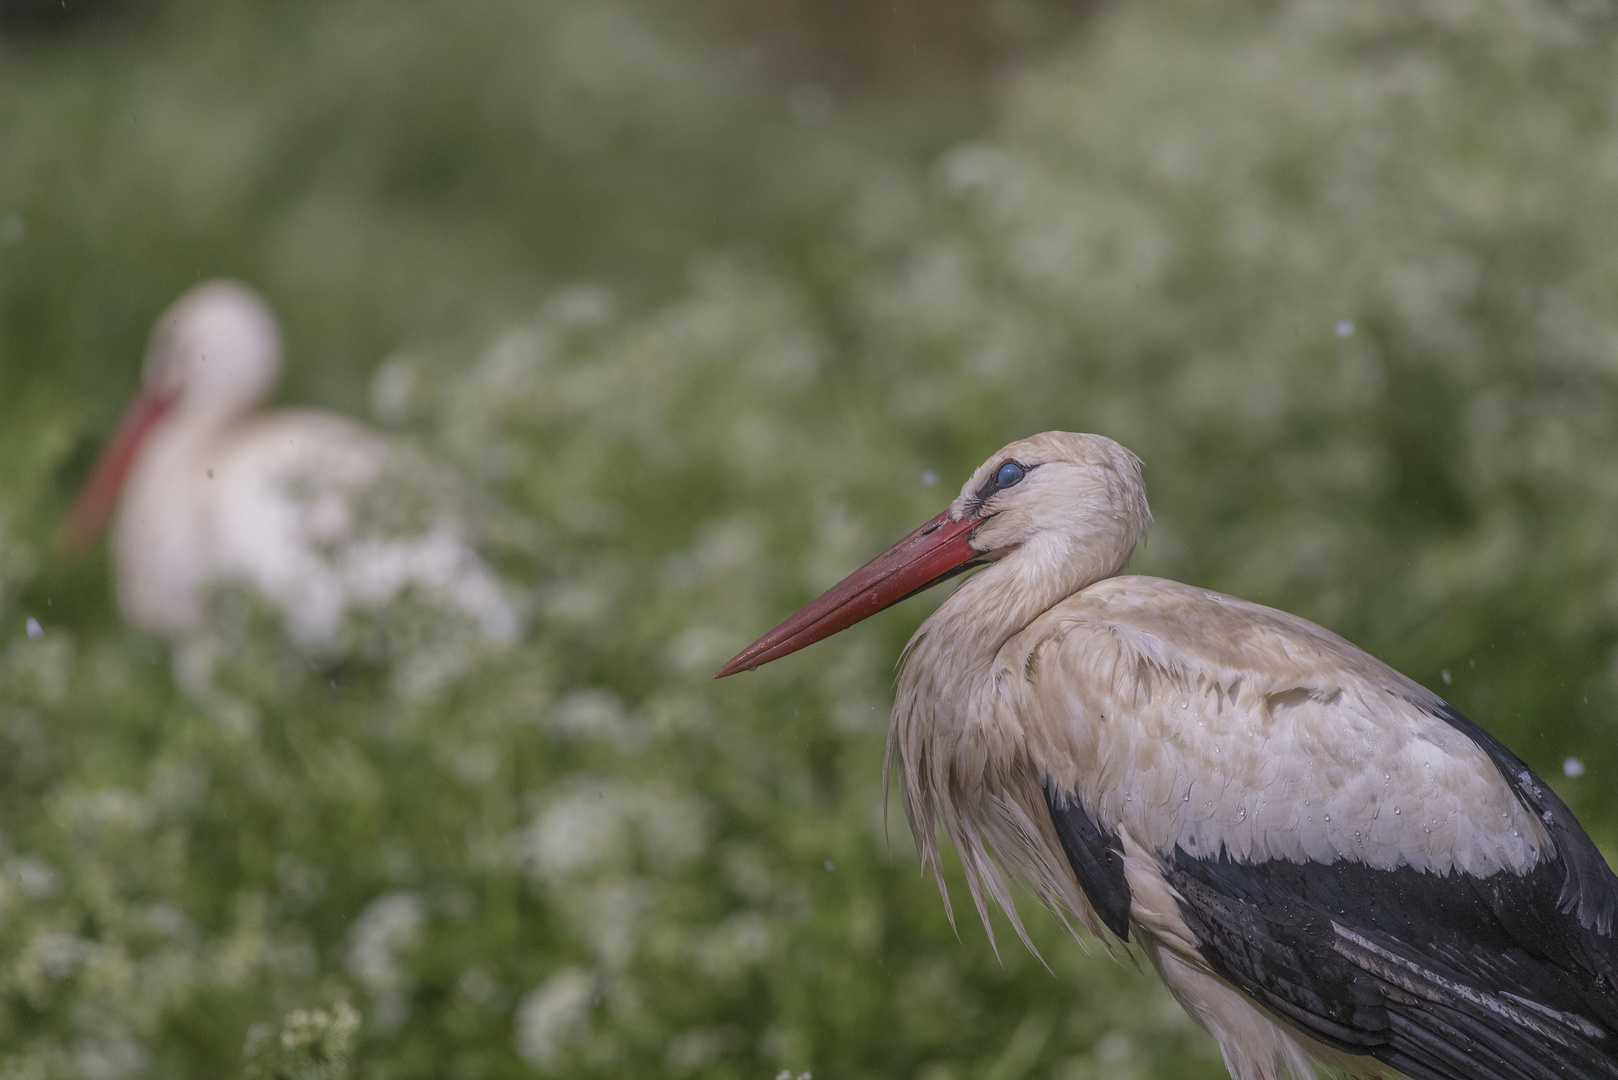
1322 859
210 494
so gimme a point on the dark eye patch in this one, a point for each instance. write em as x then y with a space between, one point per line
1010 473
1007 475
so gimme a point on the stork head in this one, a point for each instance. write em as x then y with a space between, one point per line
213 356
1063 510
216 352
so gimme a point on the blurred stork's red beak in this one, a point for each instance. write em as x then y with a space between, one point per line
933 553
99 496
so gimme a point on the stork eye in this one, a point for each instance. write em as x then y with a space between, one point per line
1010 473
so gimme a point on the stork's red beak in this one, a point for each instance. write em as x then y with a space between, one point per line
99 495
938 550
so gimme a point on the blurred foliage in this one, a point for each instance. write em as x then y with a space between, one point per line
311 1045
934 46
1341 274
380 170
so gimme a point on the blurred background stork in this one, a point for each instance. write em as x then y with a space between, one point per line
699 302
307 510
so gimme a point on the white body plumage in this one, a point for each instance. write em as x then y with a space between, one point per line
1182 717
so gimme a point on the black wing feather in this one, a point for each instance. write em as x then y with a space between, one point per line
1097 859
1589 891
1442 976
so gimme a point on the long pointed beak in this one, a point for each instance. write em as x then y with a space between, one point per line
99 495
938 550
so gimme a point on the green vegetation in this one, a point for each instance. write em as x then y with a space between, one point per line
1344 277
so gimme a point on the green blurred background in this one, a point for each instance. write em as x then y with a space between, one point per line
709 300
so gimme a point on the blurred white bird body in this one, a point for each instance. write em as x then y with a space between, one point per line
1322 859
210 494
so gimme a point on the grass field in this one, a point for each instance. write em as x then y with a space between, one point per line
701 340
